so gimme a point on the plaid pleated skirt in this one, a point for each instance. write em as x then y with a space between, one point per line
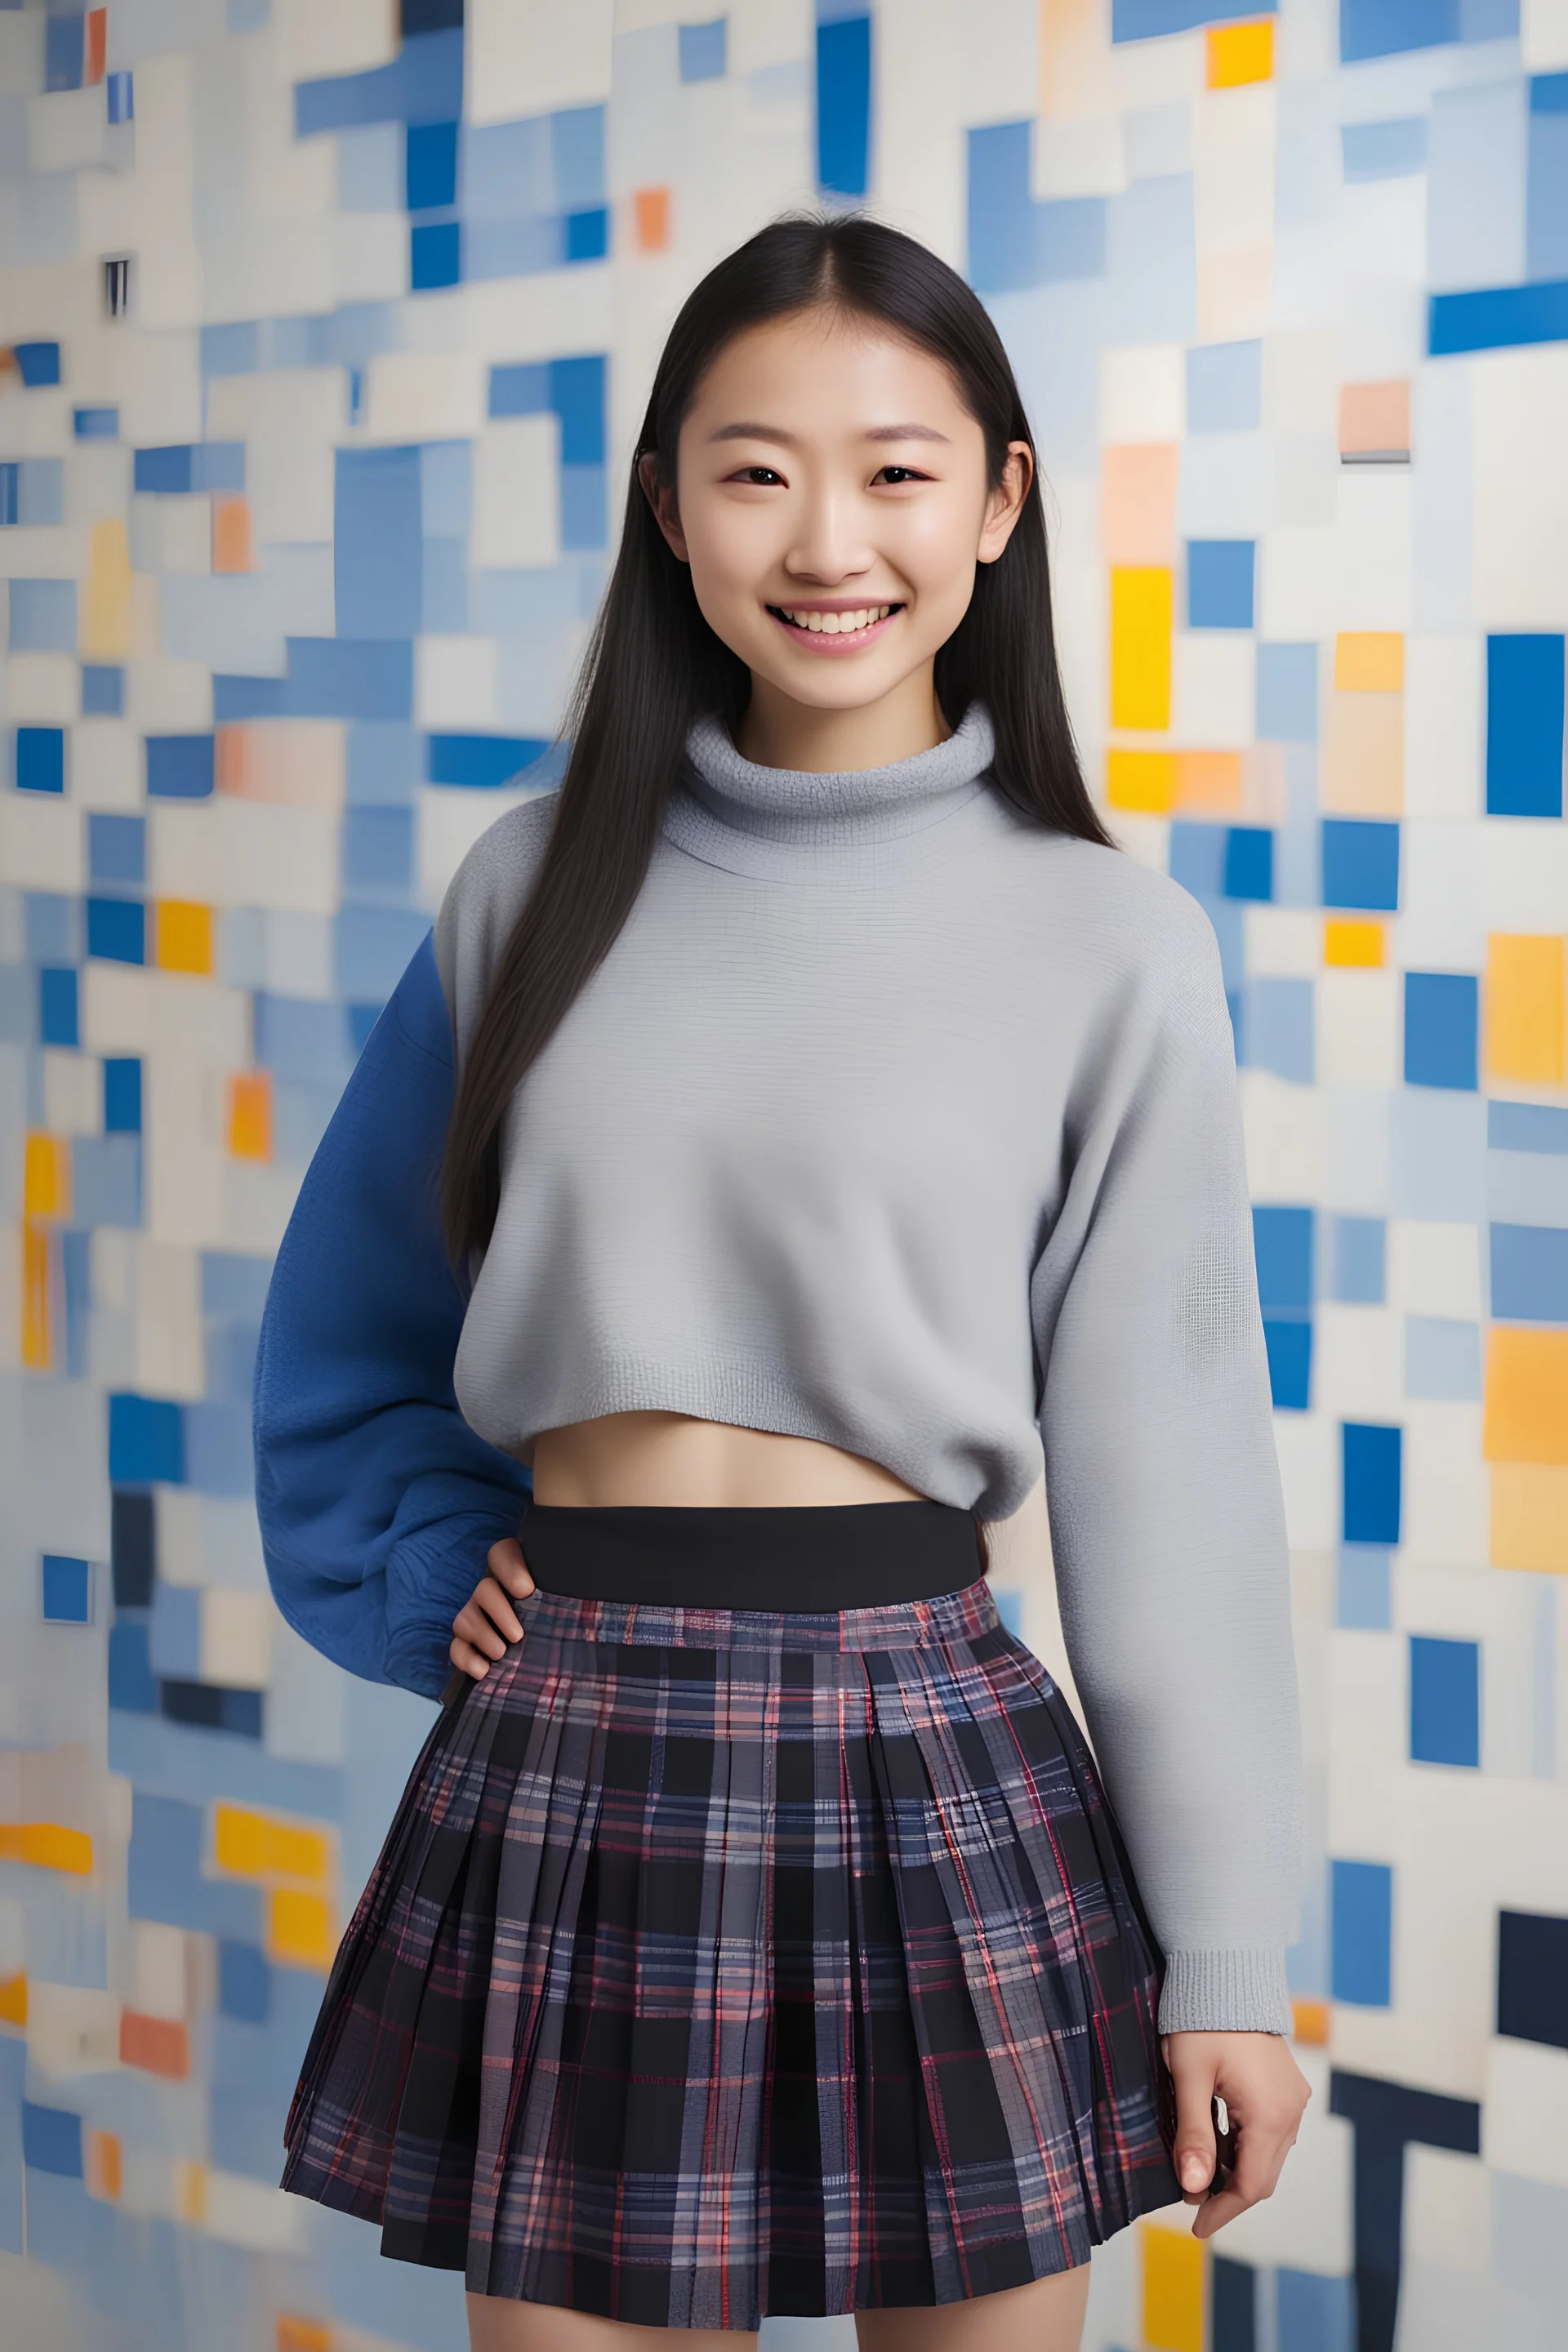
721 1962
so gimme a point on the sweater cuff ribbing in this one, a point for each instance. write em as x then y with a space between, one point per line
1241 1992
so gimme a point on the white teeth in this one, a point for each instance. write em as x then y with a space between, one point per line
835 624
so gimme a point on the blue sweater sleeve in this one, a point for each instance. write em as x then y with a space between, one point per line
377 1502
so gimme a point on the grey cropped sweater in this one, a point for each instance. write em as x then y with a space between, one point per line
896 1120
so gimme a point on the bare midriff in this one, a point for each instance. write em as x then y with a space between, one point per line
675 1458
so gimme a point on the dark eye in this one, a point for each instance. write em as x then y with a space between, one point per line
743 473
908 472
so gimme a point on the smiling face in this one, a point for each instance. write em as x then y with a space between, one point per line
831 499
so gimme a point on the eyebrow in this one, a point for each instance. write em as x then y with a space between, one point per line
751 432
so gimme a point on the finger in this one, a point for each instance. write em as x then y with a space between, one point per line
1194 2153
475 1626
507 1565
1260 2152
498 1609
464 1655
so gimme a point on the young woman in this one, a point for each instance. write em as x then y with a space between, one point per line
838 1130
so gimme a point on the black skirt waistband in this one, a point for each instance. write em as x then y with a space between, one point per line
789 1556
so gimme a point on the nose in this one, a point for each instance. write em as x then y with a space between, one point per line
827 546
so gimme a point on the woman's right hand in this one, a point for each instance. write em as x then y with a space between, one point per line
486 1624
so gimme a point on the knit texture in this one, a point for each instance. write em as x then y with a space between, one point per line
896 1120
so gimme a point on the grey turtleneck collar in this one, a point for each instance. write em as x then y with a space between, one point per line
734 812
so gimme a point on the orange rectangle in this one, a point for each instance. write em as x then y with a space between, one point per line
1526 1007
182 936
1530 1518
1368 661
233 544
651 207
1526 1413
96 47
1208 783
1138 502
38 1255
1375 419
158 2045
251 1115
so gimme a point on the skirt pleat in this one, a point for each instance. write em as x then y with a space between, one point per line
724 1962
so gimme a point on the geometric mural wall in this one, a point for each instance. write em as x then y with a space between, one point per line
327 330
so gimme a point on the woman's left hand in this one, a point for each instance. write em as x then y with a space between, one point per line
1265 2094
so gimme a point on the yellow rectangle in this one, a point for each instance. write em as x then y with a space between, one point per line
300 1929
36 1346
248 1845
1349 941
1526 1007
1526 1413
1368 661
105 634
1142 603
182 936
1172 2290
46 1846
250 1116
14 2000
45 1177
1530 1516
1145 781
1239 53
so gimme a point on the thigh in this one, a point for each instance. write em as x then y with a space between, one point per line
501 2323
1045 2316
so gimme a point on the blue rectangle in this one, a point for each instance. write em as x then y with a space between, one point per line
430 166
36 491
1524 724
1249 863
703 50
577 397
1225 387
43 616
63 45
132 1689
1287 693
117 929
68 1590
1313 2311
51 2137
167 470
1442 1009
1445 1702
586 232
329 677
40 759
1279 1029
116 848
487 761
1370 1466
244 1983
378 542
1530 1274
522 390
37 363
57 1020
1219 583
1361 864
1383 28
1384 150
301 1040
1288 1344
423 84
435 256
121 91
180 767
373 946
1498 318
1146 20
123 1095
1362 1902
1526 1127
174 1634
1364 1589
378 848
103 690
1282 1240
146 1440
843 104
105 1179
1442 1359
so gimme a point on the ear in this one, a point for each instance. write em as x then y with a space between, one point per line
661 499
1005 503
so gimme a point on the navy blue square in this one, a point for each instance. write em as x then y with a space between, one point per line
123 1096
1442 1009
588 233
117 929
40 759
57 1024
1532 1978
68 1590
1361 864
430 166
103 690
1290 1346
1371 1455
1248 862
435 255
1445 1701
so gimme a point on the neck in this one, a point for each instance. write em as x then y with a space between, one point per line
776 732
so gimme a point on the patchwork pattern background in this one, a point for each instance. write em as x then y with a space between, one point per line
329 329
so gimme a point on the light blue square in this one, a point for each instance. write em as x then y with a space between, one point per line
1363 1600
703 50
43 616
1357 1250
1287 693
1225 387
1442 1358
1278 1026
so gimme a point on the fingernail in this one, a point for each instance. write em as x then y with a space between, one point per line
1194 2172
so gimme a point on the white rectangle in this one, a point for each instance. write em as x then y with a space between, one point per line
534 57
517 497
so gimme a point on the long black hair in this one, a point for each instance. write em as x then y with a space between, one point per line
653 664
